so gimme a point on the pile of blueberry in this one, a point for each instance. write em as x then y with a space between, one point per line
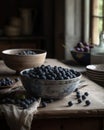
27 52
80 98
51 73
21 102
24 101
6 81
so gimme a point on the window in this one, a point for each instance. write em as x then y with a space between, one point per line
97 20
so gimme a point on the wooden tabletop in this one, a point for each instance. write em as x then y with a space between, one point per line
60 108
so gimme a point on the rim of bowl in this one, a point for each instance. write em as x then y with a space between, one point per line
4 52
21 74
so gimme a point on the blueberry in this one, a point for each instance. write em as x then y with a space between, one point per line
72 70
43 77
70 103
33 98
78 95
27 52
86 93
27 101
44 104
87 102
83 97
24 105
79 100
76 90
17 79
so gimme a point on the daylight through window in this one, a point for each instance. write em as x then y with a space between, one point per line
97 19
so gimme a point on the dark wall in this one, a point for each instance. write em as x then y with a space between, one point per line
49 21
54 27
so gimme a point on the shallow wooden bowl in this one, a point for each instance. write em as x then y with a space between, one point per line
20 62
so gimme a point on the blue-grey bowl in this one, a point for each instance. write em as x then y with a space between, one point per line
55 89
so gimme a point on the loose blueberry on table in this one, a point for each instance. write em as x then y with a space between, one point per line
70 103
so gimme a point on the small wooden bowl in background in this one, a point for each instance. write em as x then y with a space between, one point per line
17 62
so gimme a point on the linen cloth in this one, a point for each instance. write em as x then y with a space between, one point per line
17 118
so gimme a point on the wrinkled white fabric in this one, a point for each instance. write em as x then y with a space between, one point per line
17 118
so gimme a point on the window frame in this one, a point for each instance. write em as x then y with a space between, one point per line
94 28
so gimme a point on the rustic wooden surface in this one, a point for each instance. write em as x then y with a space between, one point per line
60 108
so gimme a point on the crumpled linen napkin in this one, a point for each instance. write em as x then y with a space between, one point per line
17 118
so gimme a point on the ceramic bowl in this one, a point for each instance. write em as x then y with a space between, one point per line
15 61
82 58
54 89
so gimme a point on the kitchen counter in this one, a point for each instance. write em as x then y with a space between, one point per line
58 115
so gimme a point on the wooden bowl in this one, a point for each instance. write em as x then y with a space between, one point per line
15 61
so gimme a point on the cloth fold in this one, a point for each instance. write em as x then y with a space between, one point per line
17 118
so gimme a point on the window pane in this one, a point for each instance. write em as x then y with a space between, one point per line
97 7
100 12
97 19
97 28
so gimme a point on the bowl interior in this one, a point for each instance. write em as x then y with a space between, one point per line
17 51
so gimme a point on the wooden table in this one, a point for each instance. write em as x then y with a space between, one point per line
58 116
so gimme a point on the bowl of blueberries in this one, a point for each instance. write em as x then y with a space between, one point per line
50 82
81 53
19 59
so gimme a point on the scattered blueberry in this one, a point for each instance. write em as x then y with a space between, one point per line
87 102
83 97
86 93
76 90
44 104
79 100
70 103
78 95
